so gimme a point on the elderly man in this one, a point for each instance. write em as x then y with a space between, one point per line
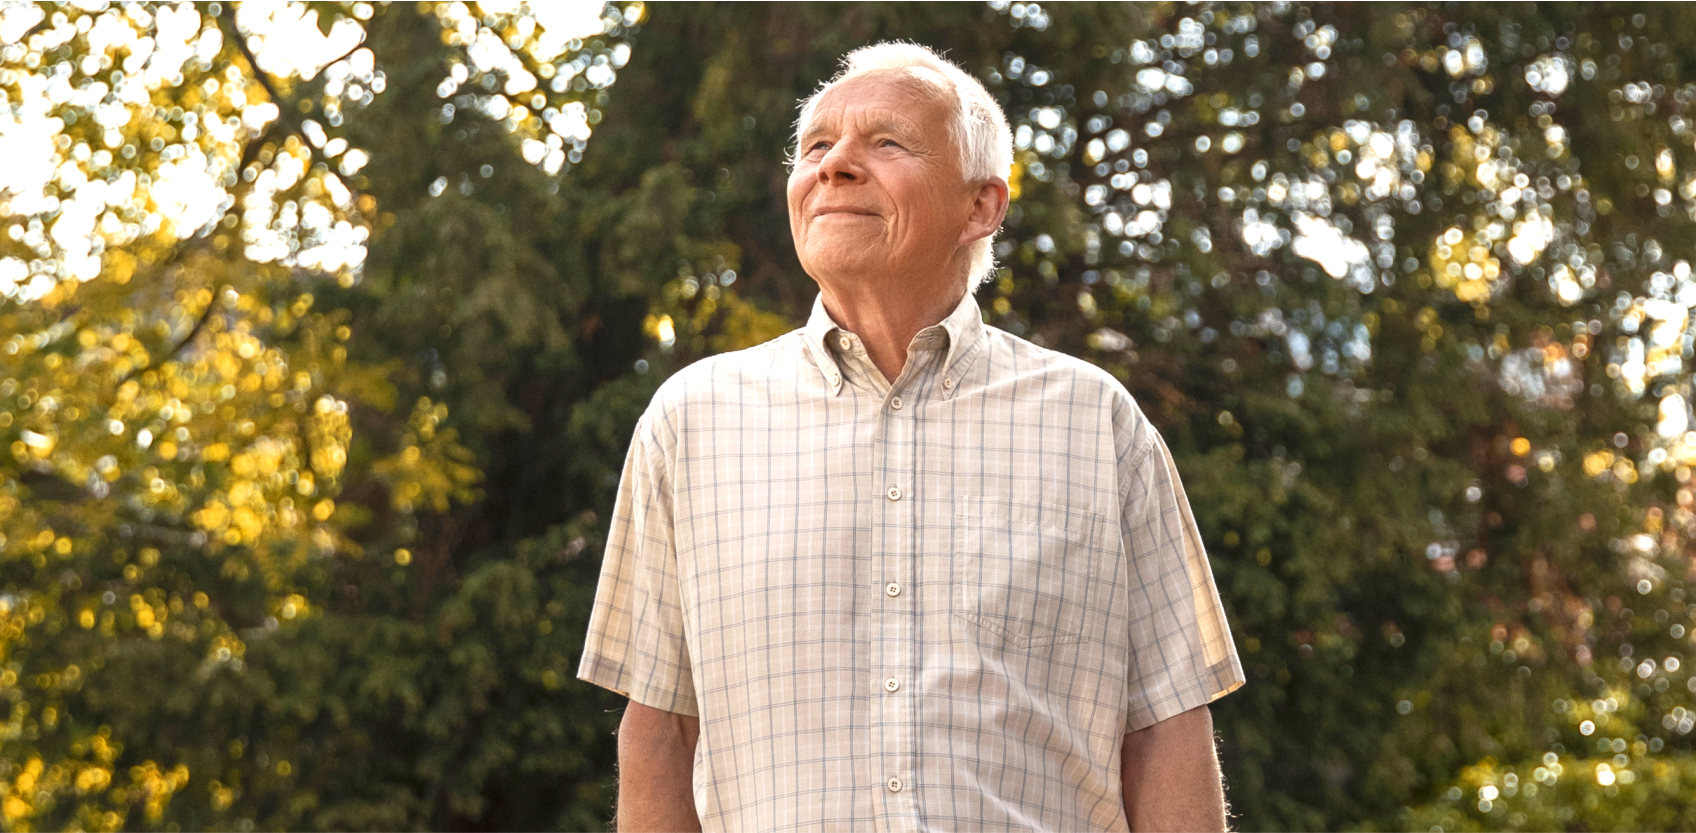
898 570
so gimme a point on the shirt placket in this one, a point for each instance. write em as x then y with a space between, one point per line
895 653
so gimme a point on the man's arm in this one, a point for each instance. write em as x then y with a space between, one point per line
1170 775
656 765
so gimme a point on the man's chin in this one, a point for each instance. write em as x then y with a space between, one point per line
849 261
843 275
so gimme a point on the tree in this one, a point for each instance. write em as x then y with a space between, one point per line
1403 288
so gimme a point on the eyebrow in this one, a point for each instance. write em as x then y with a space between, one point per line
882 126
813 130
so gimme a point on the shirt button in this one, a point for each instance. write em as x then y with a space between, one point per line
894 493
835 380
892 589
894 785
891 684
844 343
895 403
947 382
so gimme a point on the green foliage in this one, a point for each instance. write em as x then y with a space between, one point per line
1405 288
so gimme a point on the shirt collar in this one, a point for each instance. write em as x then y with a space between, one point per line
963 327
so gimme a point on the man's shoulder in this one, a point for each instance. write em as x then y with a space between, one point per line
733 376
1016 355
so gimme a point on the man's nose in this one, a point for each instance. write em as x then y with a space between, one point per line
841 164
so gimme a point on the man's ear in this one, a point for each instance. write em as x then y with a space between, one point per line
989 208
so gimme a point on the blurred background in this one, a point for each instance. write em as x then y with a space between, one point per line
324 327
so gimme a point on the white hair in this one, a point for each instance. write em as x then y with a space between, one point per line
978 126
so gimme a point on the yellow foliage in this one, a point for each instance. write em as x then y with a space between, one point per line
157 786
1597 462
222 796
432 468
93 778
173 376
745 325
1470 270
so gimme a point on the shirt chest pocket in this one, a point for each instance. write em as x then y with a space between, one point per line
1030 576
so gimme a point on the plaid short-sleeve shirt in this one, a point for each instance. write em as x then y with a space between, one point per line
934 604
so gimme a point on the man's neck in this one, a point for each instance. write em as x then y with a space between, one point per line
886 316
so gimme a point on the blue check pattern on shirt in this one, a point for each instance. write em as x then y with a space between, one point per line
937 604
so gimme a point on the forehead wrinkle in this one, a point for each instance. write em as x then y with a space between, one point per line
922 84
879 118
882 121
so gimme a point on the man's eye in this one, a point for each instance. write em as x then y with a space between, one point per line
818 146
889 143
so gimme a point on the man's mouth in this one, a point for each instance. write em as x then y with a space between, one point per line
841 211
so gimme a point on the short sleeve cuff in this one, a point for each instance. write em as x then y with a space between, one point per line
616 677
1170 701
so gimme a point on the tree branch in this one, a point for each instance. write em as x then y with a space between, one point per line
249 155
227 23
200 324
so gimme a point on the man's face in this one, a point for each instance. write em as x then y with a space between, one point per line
877 190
